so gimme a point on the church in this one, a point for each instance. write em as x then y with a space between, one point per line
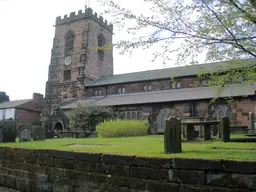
81 74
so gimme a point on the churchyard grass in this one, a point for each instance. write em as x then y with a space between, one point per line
147 146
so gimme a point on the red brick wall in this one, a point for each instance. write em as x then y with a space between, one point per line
157 85
27 116
30 111
241 108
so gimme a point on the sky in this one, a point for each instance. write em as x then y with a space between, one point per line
26 38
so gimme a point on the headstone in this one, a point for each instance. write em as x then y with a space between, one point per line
24 132
172 136
190 132
38 133
154 127
251 128
9 131
225 129
207 132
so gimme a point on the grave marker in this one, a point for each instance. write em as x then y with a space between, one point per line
24 132
225 129
172 136
8 131
251 128
38 133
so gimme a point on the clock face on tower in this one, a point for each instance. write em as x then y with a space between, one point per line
68 61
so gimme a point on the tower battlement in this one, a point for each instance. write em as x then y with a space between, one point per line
83 15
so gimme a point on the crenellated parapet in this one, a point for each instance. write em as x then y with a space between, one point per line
83 15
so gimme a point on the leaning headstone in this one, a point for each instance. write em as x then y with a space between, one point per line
225 129
38 133
9 131
24 132
251 128
172 136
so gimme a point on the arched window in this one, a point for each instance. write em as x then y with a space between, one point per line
101 43
123 90
118 90
193 111
162 116
147 88
178 85
69 40
221 111
128 115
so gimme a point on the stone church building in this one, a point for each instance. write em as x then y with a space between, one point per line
81 73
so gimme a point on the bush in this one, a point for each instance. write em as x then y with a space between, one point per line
122 128
87 117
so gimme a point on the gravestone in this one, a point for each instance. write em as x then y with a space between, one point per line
225 129
8 131
251 127
38 133
172 136
24 132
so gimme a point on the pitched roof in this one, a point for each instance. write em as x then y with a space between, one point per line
13 104
165 96
170 72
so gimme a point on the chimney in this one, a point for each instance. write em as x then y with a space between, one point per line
38 96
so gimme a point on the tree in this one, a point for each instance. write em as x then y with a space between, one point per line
3 97
222 29
86 117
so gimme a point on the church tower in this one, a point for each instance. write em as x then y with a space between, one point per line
82 51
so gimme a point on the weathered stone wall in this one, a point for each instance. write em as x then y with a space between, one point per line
85 65
51 170
27 116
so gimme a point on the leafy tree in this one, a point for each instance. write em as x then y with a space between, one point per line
87 117
3 97
221 30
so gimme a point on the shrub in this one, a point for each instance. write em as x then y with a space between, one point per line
87 117
122 128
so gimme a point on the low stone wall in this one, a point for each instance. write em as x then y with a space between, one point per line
52 170
236 129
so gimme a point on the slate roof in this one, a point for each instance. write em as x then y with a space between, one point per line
170 72
166 96
13 104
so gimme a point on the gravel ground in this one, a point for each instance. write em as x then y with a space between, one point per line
5 189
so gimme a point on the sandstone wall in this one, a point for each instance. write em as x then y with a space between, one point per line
51 170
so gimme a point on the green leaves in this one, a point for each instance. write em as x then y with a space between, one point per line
87 117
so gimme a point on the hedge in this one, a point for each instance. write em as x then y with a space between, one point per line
122 128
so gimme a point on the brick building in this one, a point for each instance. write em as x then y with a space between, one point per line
79 73
23 111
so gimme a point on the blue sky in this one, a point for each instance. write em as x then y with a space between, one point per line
26 40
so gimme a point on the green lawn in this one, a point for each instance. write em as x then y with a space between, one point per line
148 146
